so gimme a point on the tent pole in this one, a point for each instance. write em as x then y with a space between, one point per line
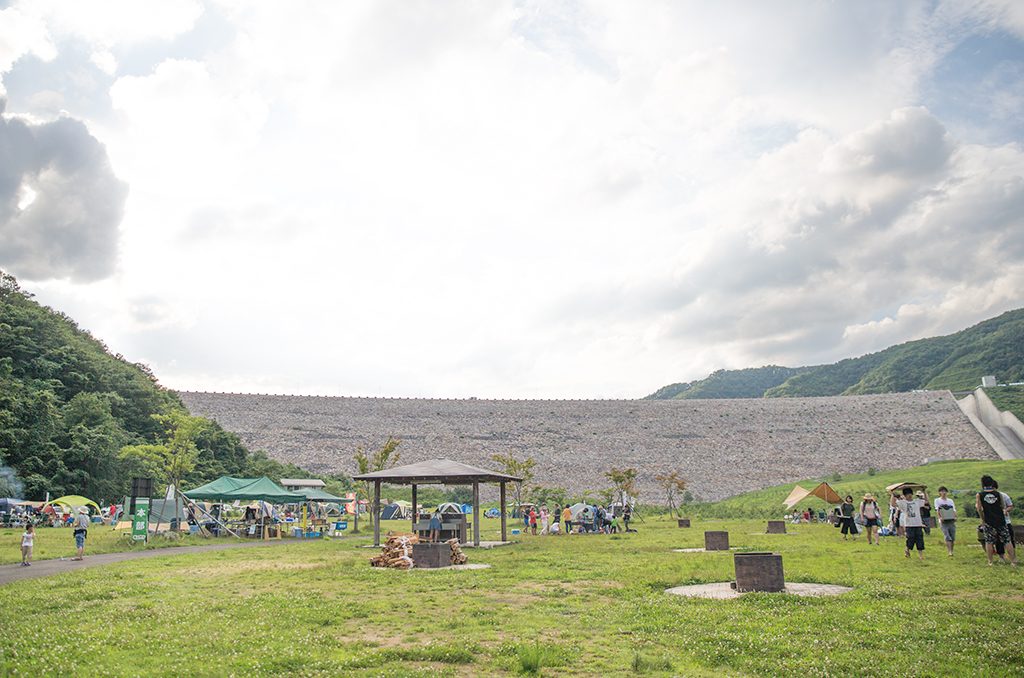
476 513
415 512
208 515
504 537
376 513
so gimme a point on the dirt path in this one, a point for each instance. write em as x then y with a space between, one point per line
44 568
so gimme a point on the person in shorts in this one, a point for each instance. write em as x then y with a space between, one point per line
846 518
435 525
991 510
872 517
945 507
81 531
910 519
27 539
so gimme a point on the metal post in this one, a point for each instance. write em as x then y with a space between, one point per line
376 512
476 513
415 510
504 537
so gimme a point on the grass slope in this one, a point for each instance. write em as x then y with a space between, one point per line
961 477
1008 398
580 605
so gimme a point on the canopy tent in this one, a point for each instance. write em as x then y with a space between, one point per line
228 489
8 503
823 491
318 495
74 502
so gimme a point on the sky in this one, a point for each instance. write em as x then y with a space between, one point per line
509 199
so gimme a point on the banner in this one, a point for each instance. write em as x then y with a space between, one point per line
140 520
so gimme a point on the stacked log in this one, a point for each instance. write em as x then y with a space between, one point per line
397 552
458 557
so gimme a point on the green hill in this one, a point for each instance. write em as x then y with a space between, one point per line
76 419
961 477
956 362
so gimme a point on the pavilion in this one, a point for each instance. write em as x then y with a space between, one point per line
438 472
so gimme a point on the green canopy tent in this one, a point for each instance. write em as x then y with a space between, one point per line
228 489
74 502
316 494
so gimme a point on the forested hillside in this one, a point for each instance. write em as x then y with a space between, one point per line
956 362
76 419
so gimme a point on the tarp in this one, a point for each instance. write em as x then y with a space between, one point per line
823 491
74 501
227 489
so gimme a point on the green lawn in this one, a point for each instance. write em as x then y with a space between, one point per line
961 477
59 542
578 605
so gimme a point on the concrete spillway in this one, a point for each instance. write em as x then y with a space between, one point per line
1002 430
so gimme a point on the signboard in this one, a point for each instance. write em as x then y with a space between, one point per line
140 519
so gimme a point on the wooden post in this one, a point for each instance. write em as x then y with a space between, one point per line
376 512
476 513
415 510
504 536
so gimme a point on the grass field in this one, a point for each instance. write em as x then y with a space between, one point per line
54 542
578 605
961 477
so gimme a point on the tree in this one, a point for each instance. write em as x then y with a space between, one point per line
624 482
514 466
672 483
552 496
386 457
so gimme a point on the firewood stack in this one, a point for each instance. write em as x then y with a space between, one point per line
397 552
458 557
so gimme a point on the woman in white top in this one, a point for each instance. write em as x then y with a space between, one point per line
26 545
946 509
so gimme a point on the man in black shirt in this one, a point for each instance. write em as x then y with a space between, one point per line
993 520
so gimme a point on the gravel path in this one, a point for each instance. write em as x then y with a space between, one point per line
44 568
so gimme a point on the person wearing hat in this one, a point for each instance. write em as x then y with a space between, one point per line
81 529
872 517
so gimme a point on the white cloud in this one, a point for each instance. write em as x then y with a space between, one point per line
541 199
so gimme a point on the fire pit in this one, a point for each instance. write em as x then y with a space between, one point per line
716 540
431 554
684 522
759 571
776 527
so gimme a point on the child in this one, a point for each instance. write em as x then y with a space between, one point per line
26 545
435 525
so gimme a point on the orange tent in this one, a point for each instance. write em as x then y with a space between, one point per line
823 491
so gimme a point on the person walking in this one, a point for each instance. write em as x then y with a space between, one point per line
872 517
27 539
989 503
846 518
910 520
946 510
926 514
567 519
81 531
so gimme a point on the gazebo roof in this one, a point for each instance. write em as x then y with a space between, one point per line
437 471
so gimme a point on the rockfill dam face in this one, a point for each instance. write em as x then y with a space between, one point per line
722 446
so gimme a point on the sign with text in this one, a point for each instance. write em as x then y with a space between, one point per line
140 519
